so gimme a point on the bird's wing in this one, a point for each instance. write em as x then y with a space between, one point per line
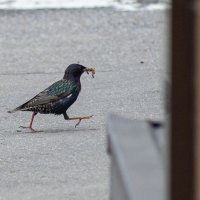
56 91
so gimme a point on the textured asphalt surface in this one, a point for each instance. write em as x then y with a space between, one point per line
128 50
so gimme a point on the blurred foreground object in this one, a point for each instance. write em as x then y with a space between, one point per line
138 155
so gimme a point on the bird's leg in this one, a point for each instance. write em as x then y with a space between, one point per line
66 117
30 125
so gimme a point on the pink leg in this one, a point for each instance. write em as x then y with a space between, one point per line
77 118
30 125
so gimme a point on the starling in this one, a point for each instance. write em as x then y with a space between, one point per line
58 97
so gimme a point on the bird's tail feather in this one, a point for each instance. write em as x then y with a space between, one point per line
12 111
17 109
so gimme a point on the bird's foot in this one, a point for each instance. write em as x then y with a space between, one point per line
77 118
80 118
33 130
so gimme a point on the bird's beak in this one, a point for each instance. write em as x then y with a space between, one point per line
88 70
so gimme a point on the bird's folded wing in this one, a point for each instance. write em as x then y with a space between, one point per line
42 100
56 91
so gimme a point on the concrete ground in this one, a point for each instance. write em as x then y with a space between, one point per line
128 50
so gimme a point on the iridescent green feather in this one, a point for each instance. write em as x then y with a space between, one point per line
56 91
60 87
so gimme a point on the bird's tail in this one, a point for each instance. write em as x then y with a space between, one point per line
22 107
16 109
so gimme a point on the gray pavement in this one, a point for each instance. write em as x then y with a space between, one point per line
128 50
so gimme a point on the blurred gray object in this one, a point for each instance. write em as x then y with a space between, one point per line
148 1
137 151
153 1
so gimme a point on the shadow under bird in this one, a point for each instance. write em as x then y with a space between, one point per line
58 97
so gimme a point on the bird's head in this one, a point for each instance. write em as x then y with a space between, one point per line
76 70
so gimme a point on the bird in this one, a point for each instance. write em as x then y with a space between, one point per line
58 97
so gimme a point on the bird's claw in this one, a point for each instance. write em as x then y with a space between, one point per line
78 123
88 117
33 130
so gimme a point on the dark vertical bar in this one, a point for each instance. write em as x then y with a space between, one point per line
182 101
197 101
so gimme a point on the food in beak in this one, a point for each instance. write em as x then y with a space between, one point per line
88 70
